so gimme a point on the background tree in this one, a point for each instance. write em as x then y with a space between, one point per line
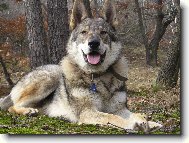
38 52
88 7
162 22
58 29
169 72
6 73
87 4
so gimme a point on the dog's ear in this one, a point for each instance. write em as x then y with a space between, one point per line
109 13
79 13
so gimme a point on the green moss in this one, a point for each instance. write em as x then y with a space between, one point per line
155 87
15 124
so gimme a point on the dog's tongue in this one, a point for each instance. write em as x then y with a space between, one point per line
93 59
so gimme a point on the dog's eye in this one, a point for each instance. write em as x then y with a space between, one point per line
84 32
103 32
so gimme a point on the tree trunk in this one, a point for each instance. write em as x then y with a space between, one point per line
168 74
161 26
142 29
7 75
58 29
38 52
95 8
158 34
88 7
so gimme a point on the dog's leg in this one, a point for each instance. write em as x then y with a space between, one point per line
118 102
27 97
136 117
96 117
23 110
22 96
33 88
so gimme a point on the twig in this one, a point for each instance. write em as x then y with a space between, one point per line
115 126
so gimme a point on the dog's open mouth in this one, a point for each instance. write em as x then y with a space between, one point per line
94 58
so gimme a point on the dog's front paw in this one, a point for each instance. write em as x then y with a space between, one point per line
31 112
154 124
140 122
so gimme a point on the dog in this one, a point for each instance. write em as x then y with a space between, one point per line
88 86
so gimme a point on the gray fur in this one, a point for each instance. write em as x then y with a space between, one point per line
5 102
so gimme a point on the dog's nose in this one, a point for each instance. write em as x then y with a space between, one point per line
94 44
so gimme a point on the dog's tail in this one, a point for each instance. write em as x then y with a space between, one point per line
5 102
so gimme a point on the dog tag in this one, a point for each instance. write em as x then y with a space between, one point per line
93 88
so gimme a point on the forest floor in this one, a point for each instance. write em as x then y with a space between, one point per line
162 105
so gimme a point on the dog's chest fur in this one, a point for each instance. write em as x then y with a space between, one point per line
106 83
74 96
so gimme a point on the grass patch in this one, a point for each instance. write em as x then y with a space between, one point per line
42 124
18 124
156 87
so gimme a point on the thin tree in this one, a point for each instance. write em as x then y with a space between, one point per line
38 52
87 6
142 29
162 22
6 73
58 29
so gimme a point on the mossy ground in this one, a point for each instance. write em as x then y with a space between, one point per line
163 105
14 124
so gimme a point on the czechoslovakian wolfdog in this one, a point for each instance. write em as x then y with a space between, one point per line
88 86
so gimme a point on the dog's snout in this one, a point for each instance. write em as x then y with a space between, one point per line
94 44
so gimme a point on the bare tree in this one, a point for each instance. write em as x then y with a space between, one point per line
169 72
162 22
6 73
141 25
58 29
38 52
88 7
47 48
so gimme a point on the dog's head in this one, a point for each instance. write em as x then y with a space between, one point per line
93 44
